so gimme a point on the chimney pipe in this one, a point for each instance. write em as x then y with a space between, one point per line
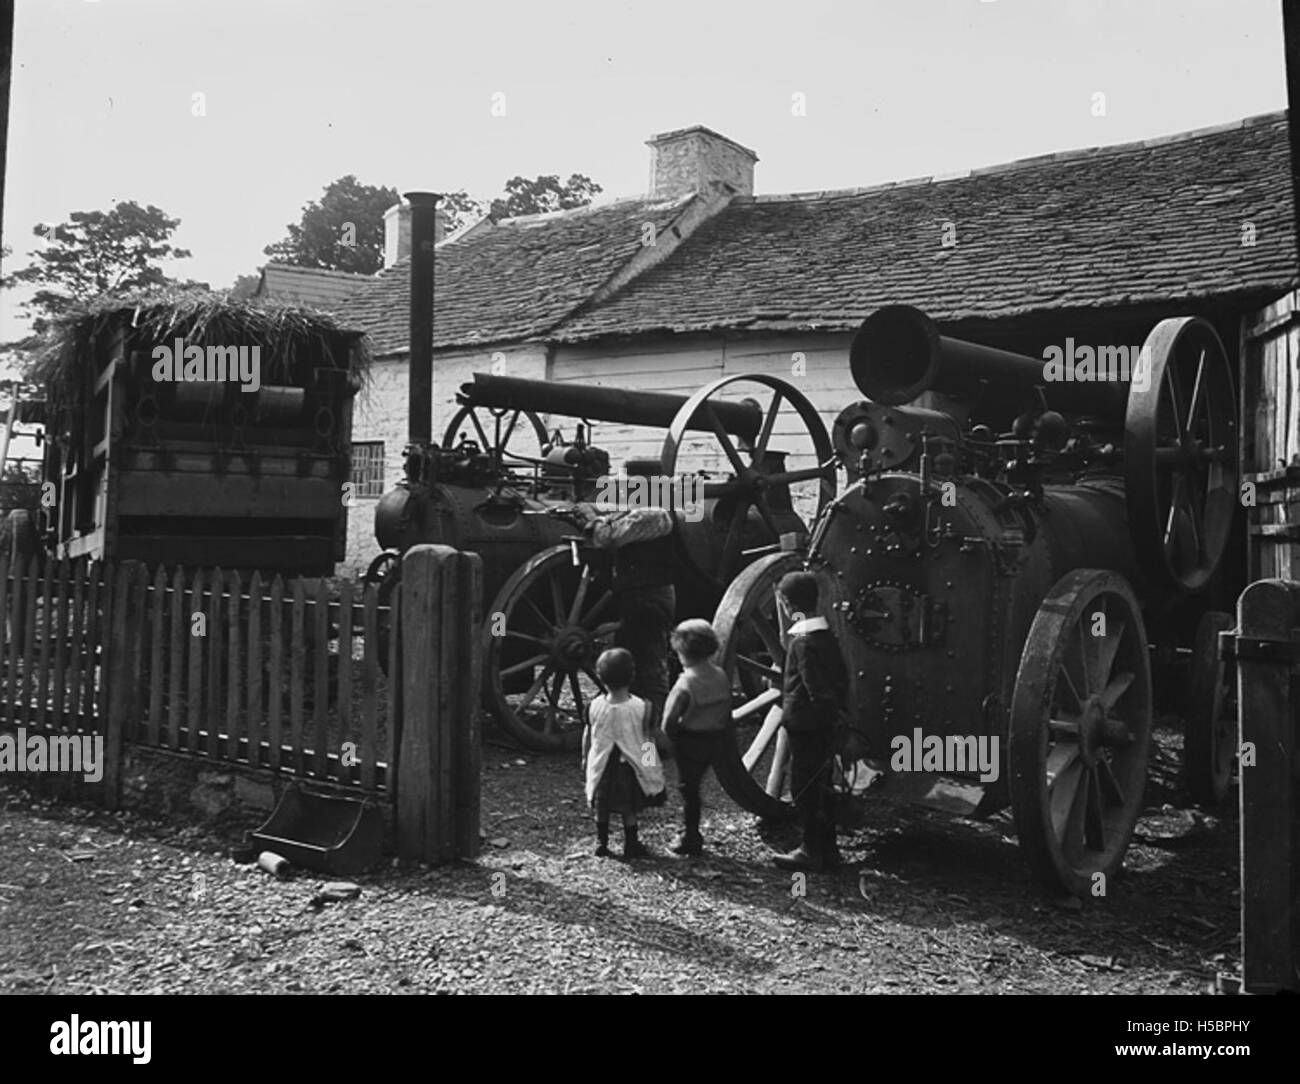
420 391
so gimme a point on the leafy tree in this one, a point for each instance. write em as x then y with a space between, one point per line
245 286
543 194
96 252
459 209
19 488
342 231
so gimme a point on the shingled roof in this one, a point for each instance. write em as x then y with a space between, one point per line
513 281
1157 221
308 285
1161 220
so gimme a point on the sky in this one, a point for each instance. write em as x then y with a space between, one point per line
296 93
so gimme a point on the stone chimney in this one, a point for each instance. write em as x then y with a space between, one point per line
688 159
397 232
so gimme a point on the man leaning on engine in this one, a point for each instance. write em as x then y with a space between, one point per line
642 541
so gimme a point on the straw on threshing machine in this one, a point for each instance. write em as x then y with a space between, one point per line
198 470
189 431
548 605
1015 585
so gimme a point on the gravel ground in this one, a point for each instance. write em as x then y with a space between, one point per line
118 904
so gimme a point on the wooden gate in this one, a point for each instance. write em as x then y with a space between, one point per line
1266 645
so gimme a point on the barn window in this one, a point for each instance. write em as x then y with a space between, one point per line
368 468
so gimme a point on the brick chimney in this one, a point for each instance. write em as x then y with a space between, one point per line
686 160
397 232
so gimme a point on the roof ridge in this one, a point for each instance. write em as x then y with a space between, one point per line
1021 163
595 208
317 270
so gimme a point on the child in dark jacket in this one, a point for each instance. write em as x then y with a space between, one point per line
815 688
696 715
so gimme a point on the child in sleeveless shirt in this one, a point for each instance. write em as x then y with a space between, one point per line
696 715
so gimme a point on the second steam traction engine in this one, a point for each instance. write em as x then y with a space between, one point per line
999 573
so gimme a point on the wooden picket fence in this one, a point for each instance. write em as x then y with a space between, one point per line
295 678
249 674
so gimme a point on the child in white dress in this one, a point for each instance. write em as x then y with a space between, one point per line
618 754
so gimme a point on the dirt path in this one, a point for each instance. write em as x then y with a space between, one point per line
929 904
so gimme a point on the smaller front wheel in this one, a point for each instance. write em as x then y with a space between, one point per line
1079 731
541 638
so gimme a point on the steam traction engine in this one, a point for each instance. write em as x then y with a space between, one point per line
549 609
1007 586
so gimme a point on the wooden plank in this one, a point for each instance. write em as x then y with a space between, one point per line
106 502
346 733
275 672
61 648
106 375
116 662
103 643
1264 403
1291 443
157 633
216 674
286 553
47 642
29 647
423 688
235 685
320 679
395 703
1282 400
467 767
7 642
121 670
370 686
92 638
17 619
1269 798
447 605
1276 314
178 630
194 645
149 493
297 675
202 463
138 607
253 711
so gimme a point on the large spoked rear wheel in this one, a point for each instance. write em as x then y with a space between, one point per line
541 638
751 765
1180 455
1079 731
1210 734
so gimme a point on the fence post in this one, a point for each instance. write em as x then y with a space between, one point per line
125 619
438 755
1267 613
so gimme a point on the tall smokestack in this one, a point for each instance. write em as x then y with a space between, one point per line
420 403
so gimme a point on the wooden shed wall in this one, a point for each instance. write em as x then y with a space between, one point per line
1270 409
